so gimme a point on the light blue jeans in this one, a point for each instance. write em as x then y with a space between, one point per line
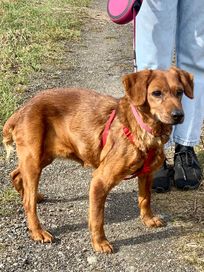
162 26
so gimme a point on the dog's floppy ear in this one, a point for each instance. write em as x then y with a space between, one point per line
136 86
187 80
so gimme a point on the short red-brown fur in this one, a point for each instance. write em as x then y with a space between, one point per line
68 123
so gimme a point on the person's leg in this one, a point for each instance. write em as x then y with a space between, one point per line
190 57
155 43
155 34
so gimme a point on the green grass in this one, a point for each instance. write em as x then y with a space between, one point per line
192 250
7 197
30 34
2 247
200 155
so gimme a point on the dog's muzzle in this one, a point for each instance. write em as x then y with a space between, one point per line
177 116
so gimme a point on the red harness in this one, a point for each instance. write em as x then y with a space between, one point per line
145 169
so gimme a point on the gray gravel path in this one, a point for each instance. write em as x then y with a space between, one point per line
98 61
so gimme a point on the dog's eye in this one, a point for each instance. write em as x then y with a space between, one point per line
157 93
179 93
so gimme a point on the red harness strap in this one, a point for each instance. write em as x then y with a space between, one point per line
146 166
128 134
126 130
145 169
107 127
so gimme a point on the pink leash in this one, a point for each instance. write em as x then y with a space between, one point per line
126 130
140 121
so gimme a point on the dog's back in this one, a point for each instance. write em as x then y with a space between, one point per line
57 121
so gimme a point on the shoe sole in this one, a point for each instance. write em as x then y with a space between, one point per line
160 190
188 187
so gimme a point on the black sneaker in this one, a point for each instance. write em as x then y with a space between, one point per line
162 179
187 171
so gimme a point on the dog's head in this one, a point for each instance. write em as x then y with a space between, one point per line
160 92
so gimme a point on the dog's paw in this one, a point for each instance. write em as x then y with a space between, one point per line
103 246
153 222
41 236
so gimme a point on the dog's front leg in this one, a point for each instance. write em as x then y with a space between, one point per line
99 189
144 199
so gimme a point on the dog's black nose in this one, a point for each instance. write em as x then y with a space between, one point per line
178 116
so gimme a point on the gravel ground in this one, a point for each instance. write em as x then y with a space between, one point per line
97 62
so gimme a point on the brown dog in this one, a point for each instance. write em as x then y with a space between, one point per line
71 123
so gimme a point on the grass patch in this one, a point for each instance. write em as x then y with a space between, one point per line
2 247
200 155
30 35
8 198
192 250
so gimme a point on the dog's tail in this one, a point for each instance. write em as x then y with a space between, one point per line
8 134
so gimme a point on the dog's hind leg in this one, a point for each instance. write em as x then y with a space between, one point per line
30 170
17 182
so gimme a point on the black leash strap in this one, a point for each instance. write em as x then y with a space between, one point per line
136 8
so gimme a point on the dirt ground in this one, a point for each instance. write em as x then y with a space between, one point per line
98 61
